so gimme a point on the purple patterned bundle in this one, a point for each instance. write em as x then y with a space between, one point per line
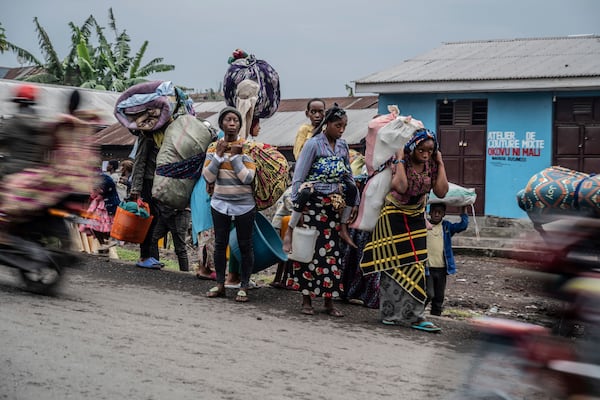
259 71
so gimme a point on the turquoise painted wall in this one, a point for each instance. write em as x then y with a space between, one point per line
519 144
519 138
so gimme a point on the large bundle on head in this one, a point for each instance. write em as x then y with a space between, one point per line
160 107
149 106
386 135
558 191
261 104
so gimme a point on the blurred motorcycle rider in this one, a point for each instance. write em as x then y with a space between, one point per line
24 142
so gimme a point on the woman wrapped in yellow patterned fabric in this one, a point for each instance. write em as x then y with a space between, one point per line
398 247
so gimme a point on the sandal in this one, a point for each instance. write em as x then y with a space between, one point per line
242 296
210 277
426 326
215 292
334 312
307 310
277 285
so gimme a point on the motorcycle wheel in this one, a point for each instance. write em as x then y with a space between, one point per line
53 234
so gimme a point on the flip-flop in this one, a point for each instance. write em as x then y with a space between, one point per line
156 262
357 302
307 310
334 312
251 285
277 285
211 277
148 263
426 326
215 292
241 296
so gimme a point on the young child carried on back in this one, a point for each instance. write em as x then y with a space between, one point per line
349 191
440 255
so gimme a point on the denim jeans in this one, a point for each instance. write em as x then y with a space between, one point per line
244 225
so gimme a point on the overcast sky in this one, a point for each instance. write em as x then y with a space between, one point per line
316 46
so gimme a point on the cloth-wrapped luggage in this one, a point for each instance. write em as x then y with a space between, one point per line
184 138
386 135
557 191
242 67
457 196
149 106
272 173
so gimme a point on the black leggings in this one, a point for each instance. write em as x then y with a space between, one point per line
244 225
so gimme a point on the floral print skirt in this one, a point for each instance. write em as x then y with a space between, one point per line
323 276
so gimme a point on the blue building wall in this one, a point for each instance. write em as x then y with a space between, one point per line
519 138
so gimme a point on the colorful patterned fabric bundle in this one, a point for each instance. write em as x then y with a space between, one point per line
259 71
272 173
558 191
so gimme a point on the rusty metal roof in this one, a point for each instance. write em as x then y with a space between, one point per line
19 72
555 63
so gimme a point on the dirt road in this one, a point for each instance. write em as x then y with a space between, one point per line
118 332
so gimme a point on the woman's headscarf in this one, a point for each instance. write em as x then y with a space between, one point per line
418 137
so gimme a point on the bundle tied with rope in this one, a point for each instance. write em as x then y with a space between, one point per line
251 86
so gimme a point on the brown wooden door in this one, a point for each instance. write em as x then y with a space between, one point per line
577 134
462 127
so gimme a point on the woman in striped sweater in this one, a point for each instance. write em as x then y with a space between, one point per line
231 172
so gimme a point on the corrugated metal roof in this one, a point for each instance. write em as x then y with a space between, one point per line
530 63
279 130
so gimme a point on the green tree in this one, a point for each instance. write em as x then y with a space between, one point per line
53 69
3 44
107 66
123 70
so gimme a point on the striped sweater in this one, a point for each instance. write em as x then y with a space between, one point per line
232 177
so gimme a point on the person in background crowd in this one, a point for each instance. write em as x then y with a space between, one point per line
103 204
255 127
232 173
440 255
124 181
24 143
283 208
323 160
315 111
176 222
398 247
111 170
359 289
52 172
142 179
